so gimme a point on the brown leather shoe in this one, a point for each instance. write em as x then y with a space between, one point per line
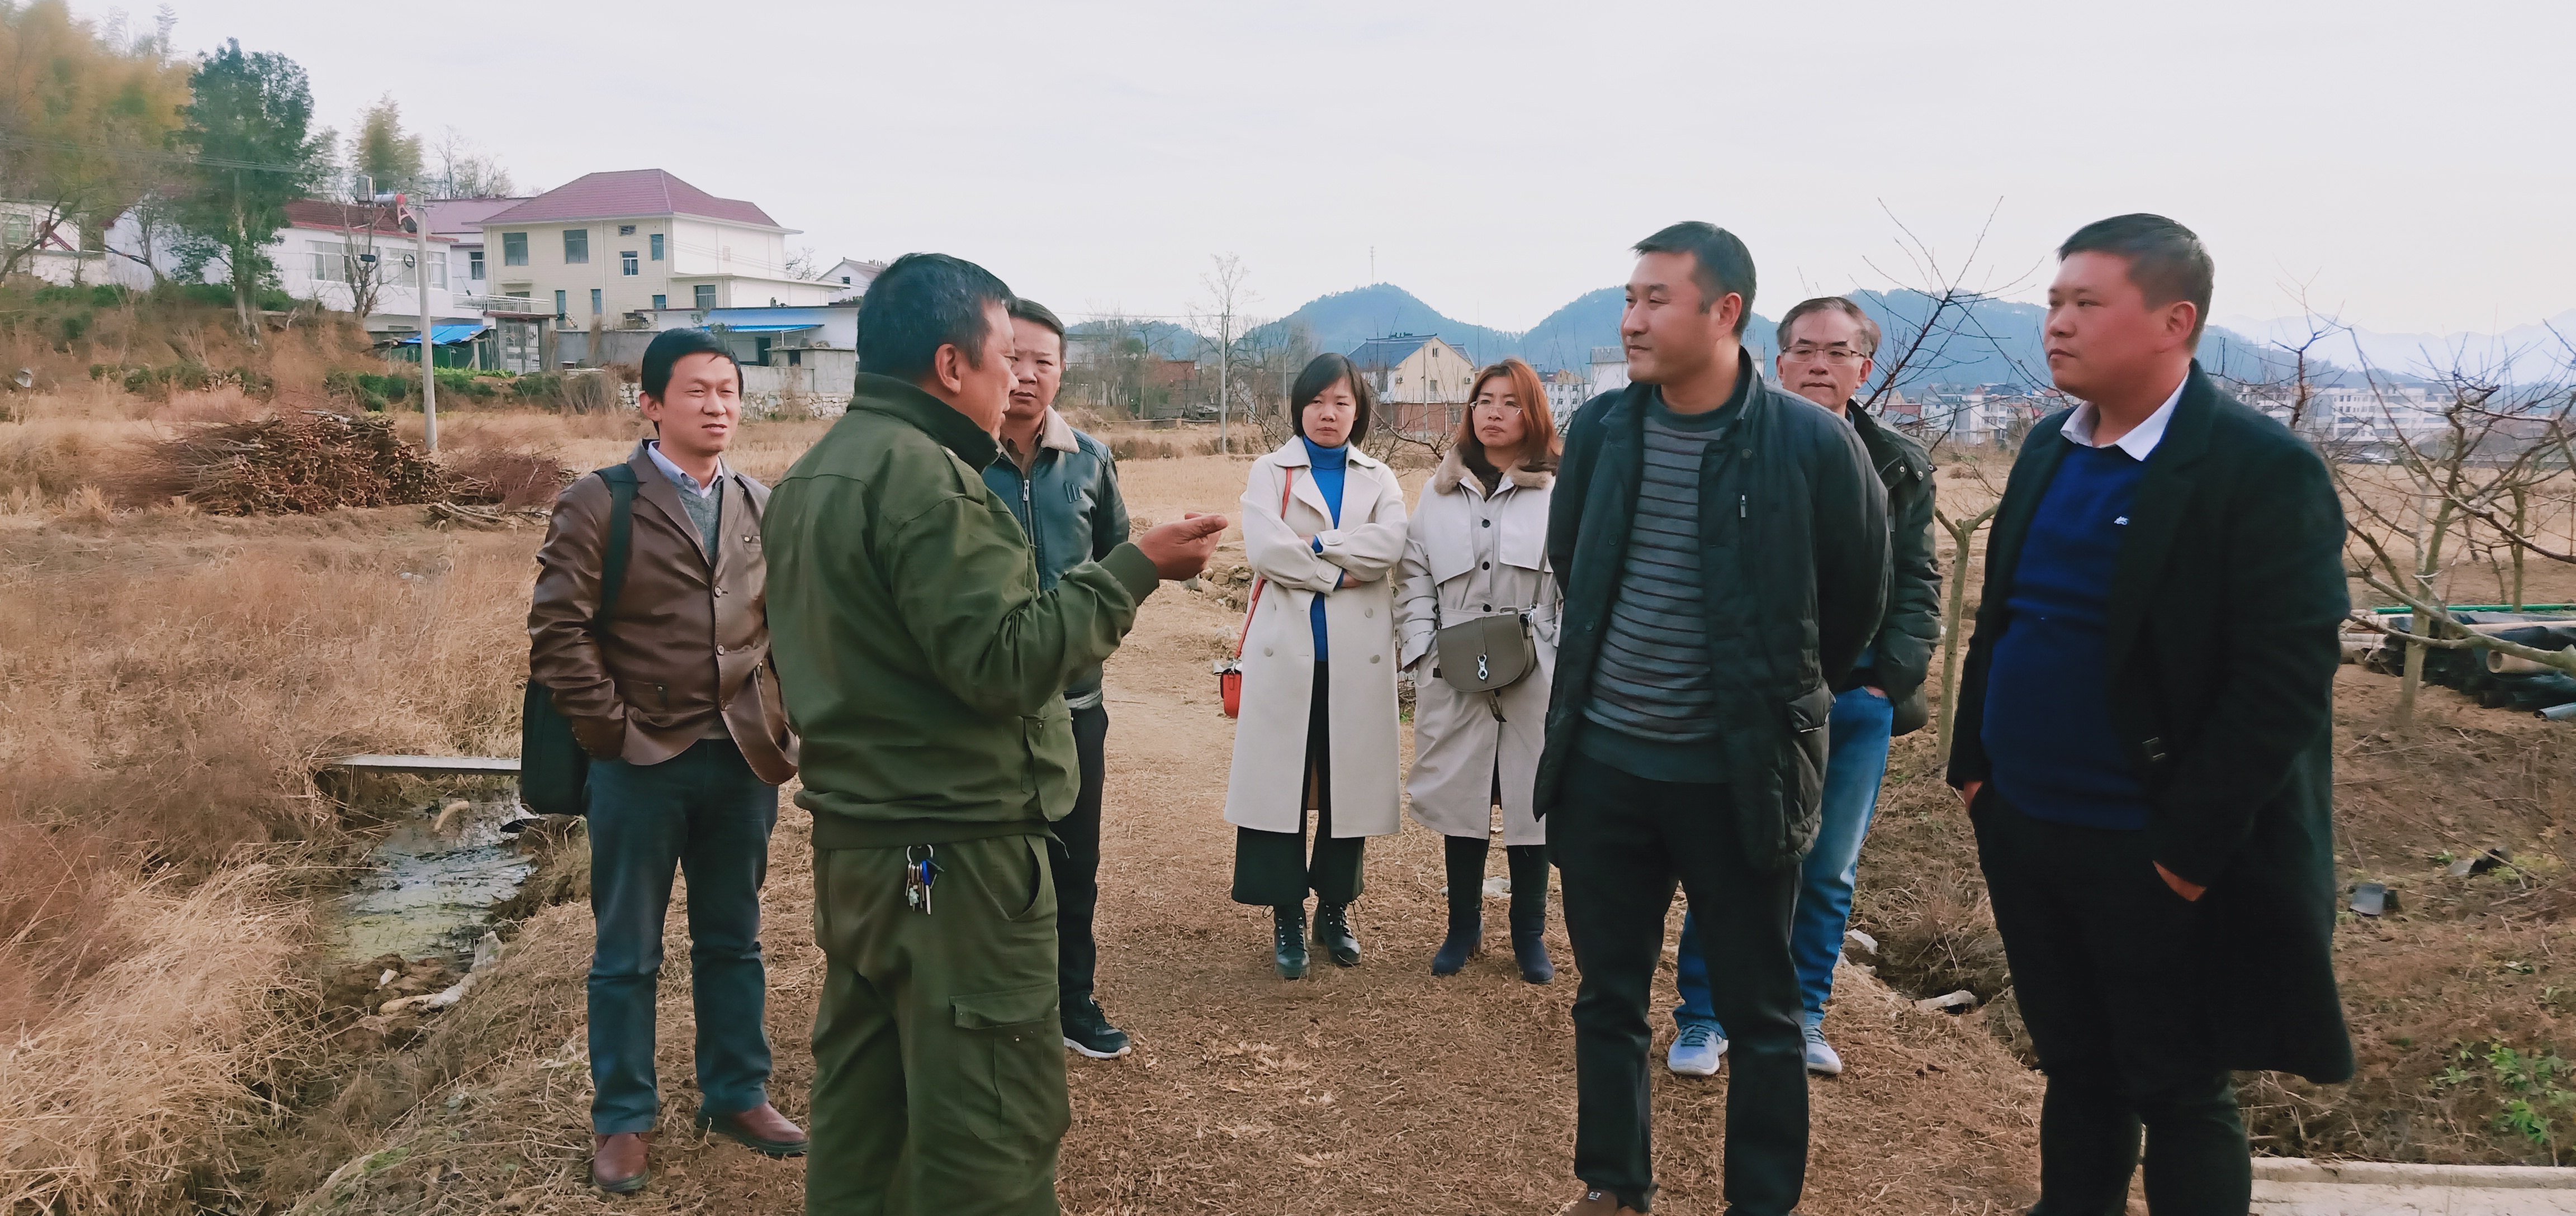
1599 1203
761 1129
617 1163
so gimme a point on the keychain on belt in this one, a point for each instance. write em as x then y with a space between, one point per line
918 874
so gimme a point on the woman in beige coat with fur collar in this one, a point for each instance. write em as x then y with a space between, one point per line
1477 546
1318 725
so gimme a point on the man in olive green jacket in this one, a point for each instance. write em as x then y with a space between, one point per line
925 671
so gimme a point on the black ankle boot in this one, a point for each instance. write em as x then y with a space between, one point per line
1288 941
1529 911
1465 861
1333 933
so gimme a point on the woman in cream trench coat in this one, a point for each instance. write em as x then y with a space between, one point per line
1347 773
1475 551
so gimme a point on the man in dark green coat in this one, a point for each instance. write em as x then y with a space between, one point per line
926 670
2145 739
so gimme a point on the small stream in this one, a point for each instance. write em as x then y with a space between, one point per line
433 881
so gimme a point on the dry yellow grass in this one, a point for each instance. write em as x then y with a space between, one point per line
167 684
140 1080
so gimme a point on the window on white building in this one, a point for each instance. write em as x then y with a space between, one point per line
474 265
703 295
514 249
661 302
657 246
576 246
330 261
627 263
626 230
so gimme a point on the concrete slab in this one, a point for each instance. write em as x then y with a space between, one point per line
433 766
2294 1187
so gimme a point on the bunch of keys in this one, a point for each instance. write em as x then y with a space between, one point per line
918 874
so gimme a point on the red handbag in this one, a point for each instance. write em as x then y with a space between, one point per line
1229 672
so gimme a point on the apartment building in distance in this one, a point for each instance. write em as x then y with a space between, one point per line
1567 390
606 245
1609 369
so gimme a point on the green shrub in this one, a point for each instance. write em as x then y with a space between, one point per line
464 383
74 324
539 388
220 295
390 388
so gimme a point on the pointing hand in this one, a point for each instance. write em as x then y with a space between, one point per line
1181 549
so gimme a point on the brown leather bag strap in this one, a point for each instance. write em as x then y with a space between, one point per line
1257 581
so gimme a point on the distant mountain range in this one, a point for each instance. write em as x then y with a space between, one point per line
2525 353
1988 342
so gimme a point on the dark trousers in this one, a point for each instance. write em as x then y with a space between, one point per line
2101 951
1274 868
939 1083
1075 853
706 812
1622 842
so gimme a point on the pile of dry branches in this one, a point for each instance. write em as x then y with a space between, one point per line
296 463
310 461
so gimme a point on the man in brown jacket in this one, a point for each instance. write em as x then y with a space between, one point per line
671 690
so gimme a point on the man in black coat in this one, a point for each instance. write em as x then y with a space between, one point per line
1722 547
2144 739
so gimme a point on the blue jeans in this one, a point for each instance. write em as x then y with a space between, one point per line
704 810
1855 762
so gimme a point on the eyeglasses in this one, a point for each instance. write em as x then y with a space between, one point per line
1806 352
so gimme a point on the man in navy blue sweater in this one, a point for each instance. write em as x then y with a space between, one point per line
2144 739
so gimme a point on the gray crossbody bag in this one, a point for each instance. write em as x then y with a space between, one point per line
1485 653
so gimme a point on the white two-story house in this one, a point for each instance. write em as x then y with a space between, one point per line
1415 369
605 245
329 251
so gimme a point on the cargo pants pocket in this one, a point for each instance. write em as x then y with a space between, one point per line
1011 1087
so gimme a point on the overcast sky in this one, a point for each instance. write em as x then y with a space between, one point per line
2410 164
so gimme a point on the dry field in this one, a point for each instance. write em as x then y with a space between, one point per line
169 679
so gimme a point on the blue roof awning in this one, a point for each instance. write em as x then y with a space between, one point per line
446 335
721 327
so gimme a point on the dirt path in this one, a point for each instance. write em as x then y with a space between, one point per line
1377 1089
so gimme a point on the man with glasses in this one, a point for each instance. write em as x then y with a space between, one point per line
1062 485
1827 347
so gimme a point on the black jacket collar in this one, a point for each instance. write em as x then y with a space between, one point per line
1629 412
887 395
2155 516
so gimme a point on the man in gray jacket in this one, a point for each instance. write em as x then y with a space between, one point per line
1063 486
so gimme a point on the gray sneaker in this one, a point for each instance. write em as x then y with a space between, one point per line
1822 1059
1697 1051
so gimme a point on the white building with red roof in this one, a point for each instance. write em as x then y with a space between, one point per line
608 244
332 253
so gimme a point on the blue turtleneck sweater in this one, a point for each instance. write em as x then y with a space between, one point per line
1330 464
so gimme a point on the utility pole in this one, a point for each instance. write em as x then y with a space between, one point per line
418 223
